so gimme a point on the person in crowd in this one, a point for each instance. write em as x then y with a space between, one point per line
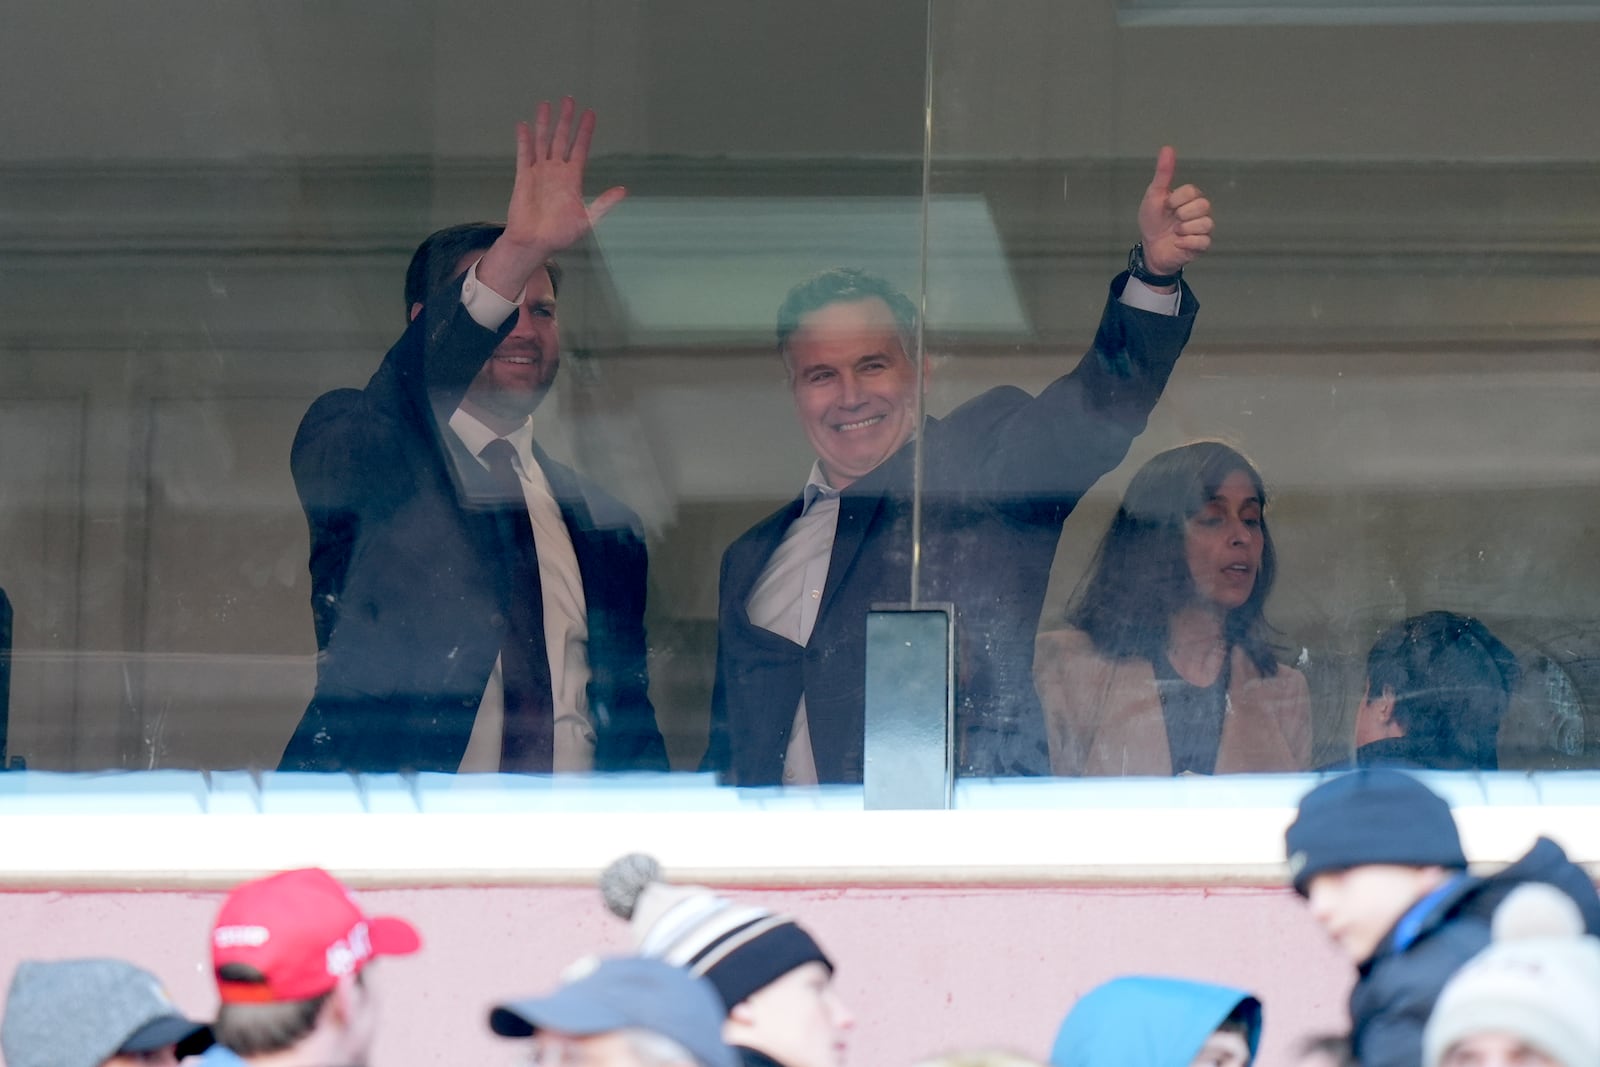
1438 686
774 980
1377 856
94 1013
1000 474
1159 1022
478 605
1531 999
1166 666
623 1012
292 954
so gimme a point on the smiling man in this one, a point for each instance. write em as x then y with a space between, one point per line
1001 473
478 605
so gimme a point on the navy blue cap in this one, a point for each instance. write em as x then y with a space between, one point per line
627 993
187 1036
1371 816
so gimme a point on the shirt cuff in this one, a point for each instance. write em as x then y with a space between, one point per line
488 308
1137 294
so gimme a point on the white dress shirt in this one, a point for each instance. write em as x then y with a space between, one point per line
566 620
787 596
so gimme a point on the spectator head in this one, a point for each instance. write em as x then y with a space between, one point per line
1152 564
1159 1022
775 982
1532 998
1364 848
847 338
291 954
94 1012
446 253
1443 682
625 1012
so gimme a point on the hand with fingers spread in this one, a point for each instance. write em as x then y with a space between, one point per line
546 212
1174 224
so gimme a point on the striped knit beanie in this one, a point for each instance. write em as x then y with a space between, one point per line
738 948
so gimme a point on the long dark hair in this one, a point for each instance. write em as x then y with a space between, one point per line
1140 575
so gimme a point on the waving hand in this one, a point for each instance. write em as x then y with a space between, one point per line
547 212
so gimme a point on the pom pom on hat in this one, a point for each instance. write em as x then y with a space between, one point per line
739 948
1538 981
622 883
1537 910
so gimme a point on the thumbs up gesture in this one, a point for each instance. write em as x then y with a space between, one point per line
1174 224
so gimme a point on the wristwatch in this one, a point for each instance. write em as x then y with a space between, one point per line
1137 268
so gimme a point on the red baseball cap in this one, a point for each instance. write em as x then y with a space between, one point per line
303 931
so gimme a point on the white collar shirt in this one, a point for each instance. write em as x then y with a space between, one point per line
566 620
787 596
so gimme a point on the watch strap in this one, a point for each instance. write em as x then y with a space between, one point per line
1137 268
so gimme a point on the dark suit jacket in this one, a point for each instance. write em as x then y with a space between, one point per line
408 612
1001 473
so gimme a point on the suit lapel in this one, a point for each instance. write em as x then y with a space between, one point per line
475 495
857 512
756 550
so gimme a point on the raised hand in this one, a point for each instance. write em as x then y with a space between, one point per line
546 212
1174 224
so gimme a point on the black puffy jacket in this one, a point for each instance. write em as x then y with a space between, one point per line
1394 995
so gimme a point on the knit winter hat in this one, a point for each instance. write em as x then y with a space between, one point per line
1539 980
738 948
1371 816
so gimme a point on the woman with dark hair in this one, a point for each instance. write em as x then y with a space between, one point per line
1165 666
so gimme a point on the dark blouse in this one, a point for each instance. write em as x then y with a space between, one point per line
1193 714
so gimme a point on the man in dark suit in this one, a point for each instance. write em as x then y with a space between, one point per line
478 605
1001 473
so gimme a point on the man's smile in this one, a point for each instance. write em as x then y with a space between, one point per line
847 427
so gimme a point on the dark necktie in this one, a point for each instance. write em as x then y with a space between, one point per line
528 739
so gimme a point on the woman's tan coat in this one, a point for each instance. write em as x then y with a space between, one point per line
1103 715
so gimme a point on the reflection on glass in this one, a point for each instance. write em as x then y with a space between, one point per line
479 606
1400 323
1000 474
1167 667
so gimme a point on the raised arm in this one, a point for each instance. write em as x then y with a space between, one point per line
546 213
1046 451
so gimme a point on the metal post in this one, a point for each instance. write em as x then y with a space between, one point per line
910 706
